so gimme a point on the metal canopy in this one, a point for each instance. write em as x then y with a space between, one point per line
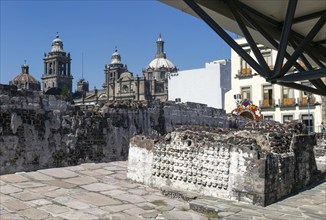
295 28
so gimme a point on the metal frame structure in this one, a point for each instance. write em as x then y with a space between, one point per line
311 53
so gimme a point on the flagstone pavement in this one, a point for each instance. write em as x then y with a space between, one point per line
102 191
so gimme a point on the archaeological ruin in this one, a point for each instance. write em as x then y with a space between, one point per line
42 131
189 147
258 164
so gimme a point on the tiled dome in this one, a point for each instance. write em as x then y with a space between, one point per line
25 81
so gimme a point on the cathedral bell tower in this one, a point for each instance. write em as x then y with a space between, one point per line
57 64
112 72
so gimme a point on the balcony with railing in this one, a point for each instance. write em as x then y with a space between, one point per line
303 101
244 73
267 104
287 102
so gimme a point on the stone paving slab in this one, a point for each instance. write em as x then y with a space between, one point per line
59 173
26 196
61 184
9 189
37 176
102 191
13 178
81 180
28 184
97 187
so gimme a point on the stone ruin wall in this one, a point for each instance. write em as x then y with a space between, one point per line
40 131
320 152
258 165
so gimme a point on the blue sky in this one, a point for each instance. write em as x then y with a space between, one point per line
95 28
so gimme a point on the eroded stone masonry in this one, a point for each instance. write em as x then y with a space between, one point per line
258 164
189 147
42 131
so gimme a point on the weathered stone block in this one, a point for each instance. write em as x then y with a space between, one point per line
222 163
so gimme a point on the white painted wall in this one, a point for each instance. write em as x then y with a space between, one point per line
206 85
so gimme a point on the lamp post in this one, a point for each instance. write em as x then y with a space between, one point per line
308 94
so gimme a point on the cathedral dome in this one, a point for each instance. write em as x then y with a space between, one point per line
159 63
24 80
57 45
160 60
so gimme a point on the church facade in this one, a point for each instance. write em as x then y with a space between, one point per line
120 83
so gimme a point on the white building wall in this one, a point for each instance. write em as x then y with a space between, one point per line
256 83
202 85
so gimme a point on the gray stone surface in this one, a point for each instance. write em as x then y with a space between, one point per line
77 202
43 131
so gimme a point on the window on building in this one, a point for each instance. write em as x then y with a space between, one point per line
159 87
268 117
162 75
61 68
267 95
50 68
268 58
287 96
288 92
287 118
244 66
245 93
